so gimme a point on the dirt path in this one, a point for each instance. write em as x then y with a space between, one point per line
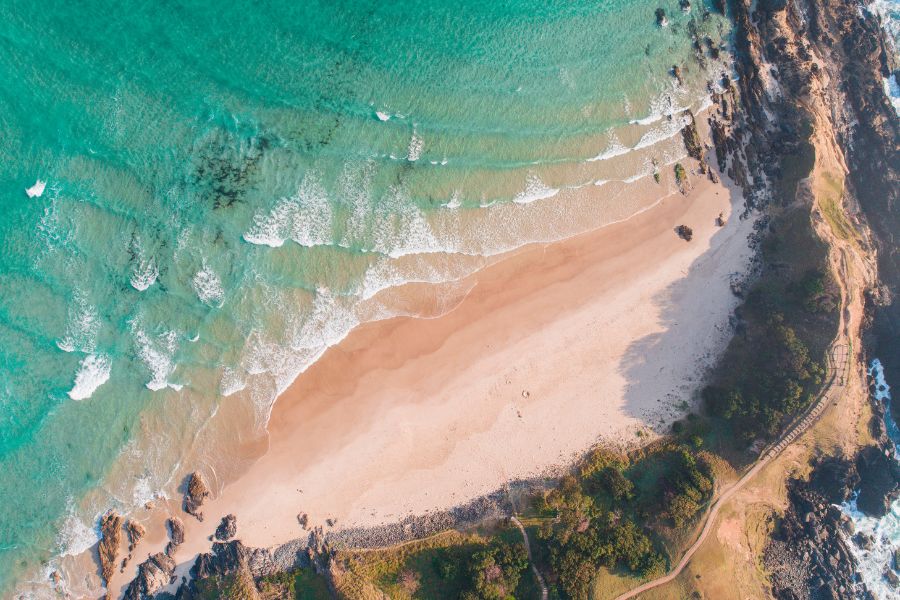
537 574
837 360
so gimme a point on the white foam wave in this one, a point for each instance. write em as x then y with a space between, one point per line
82 326
144 275
305 218
892 91
391 225
93 372
143 491
231 382
535 189
615 148
416 144
37 190
661 107
382 116
885 531
75 536
157 357
670 128
454 201
208 286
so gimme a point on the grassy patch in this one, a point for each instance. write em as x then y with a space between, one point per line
830 198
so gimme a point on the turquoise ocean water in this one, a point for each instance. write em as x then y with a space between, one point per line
229 186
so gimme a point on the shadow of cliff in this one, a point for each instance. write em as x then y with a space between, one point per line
654 395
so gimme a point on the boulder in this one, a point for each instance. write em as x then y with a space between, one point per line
864 541
175 526
661 19
136 533
197 493
110 539
227 529
878 486
154 574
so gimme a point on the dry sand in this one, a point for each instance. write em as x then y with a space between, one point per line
551 350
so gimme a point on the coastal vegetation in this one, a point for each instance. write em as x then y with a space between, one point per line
775 364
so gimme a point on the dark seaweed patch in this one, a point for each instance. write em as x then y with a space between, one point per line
224 168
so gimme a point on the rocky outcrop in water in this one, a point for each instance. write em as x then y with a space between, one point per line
227 529
108 548
197 493
807 557
154 574
879 478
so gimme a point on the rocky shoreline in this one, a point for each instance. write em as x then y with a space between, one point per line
808 555
230 557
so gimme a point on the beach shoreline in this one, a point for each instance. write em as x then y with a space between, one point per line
412 416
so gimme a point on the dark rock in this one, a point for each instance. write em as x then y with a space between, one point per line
878 485
136 533
661 19
807 556
771 6
864 541
227 529
108 548
175 526
154 574
892 577
197 493
685 5
303 519
685 232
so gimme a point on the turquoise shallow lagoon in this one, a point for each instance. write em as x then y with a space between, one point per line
230 185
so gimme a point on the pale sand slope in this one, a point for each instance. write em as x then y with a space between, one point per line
554 348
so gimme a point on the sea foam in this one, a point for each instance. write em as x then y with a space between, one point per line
93 372
208 286
416 144
75 536
144 275
535 189
82 326
37 190
157 357
305 218
885 532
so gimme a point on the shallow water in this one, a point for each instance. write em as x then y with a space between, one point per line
228 188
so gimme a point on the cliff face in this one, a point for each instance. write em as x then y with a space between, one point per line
870 138
818 64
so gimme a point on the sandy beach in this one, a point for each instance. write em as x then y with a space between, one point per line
603 337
